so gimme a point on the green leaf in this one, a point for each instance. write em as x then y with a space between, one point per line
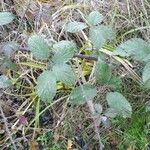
39 47
6 63
82 94
4 82
9 48
6 18
119 103
147 106
102 72
147 84
99 35
111 113
135 47
64 73
147 58
146 73
46 86
98 108
115 83
95 18
64 51
74 27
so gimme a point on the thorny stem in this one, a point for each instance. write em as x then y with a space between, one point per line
26 49
7 129
86 57
123 61
92 110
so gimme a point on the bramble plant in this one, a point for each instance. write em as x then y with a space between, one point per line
63 66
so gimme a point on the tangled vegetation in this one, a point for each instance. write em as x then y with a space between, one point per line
72 78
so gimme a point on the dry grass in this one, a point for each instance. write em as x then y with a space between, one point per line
130 18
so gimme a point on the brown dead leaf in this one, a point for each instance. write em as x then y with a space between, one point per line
130 148
34 145
70 144
56 135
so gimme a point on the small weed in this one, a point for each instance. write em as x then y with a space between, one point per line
77 83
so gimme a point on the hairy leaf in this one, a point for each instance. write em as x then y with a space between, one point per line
6 18
119 103
106 122
111 113
147 58
64 73
74 27
98 108
83 93
102 72
46 86
6 63
64 51
146 75
39 47
95 18
148 106
9 48
147 84
4 82
99 35
135 47
115 83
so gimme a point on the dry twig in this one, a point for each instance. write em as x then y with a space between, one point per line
7 129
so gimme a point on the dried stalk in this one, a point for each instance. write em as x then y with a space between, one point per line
7 129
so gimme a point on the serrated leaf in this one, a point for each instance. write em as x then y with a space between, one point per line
64 51
115 83
6 63
147 58
64 73
111 113
82 94
98 108
9 48
6 18
74 27
106 122
119 103
135 47
146 73
99 35
102 72
147 106
147 84
95 18
46 86
39 47
4 82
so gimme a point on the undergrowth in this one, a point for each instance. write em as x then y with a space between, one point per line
72 78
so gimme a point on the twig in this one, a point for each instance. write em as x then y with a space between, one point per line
91 108
7 129
86 57
15 38
95 58
26 49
